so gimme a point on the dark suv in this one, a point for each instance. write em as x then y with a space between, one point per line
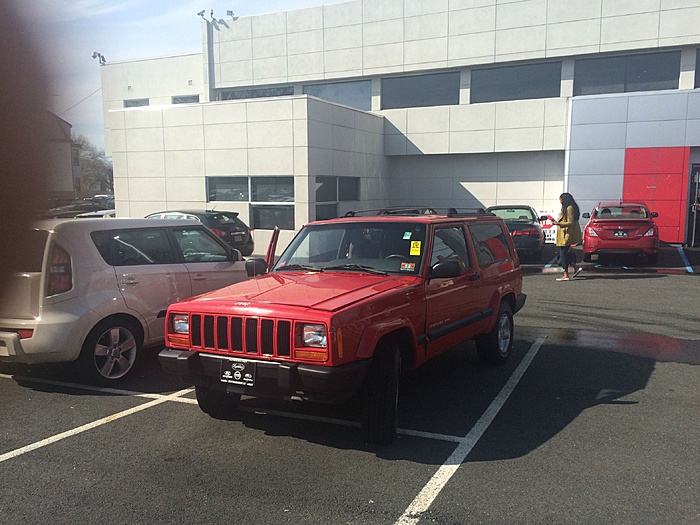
350 304
225 224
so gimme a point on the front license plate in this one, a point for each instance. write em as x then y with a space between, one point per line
237 372
620 234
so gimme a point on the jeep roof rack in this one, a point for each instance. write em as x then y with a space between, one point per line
419 210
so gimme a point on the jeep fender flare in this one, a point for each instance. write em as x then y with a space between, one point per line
504 293
373 334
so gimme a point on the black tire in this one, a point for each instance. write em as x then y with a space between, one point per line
111 351
216 403
381 397
495 347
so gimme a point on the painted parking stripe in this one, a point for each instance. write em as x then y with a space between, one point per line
89 426
431 490
685 259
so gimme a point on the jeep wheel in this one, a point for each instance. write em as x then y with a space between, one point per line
494 348
216 403
381 397
110 351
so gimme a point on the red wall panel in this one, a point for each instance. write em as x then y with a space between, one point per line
659 177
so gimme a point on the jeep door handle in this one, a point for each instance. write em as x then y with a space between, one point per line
474 277
130 280
199 277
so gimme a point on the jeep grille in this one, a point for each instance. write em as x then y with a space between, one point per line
242 335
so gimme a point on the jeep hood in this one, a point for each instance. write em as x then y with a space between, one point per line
328 291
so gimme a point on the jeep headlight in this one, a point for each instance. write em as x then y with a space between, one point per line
313 335
181 323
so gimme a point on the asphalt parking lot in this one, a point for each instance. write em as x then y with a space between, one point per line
593 421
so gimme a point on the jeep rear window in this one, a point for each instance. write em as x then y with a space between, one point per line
393 247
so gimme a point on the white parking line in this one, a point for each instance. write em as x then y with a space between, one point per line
89 426
425 497
466 443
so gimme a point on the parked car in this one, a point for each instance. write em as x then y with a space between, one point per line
225 224
104 214
95 291
75 208
348 305
525 228
621 228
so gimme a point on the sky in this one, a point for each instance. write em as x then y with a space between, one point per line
67 32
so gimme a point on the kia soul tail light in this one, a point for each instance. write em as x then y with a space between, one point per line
60 271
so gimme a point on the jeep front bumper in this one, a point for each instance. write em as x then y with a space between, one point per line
274 379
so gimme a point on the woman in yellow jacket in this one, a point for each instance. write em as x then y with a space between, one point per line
568 234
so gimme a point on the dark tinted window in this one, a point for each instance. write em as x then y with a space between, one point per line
354 94
697 69
272 189
348 188
225 219
450 243
134 247
186 99
622 74
234 94
516 82
326 189
326 211
266 217
227 188
490 243
441 89
136 103
197 245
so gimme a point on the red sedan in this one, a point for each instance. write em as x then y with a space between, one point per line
621 228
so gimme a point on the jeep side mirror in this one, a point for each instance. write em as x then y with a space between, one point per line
446 269
255 266
586 215
654 214
543 218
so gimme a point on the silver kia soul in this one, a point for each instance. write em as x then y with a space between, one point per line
95 291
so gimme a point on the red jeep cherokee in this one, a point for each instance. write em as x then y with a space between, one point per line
349 304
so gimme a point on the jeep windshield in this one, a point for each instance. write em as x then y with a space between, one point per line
390 247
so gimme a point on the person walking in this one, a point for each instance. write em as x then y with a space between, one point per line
568 234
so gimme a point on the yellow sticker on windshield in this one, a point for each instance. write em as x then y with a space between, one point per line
415 248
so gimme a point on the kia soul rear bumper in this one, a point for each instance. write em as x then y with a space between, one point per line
273 379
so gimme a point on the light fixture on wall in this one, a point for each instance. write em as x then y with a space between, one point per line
100 56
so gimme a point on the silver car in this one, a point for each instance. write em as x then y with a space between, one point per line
95 291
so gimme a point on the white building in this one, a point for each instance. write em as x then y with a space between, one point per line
290 116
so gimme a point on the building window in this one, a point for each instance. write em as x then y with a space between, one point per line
136 103
326 211
186 99
272 189
331 189
237 94
267 216
440 89
516 82
623 74
354 94
76 156
228 189
348 189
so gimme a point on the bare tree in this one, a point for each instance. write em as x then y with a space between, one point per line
94 166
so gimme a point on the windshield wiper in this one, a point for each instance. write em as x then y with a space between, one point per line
355 268
293 267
